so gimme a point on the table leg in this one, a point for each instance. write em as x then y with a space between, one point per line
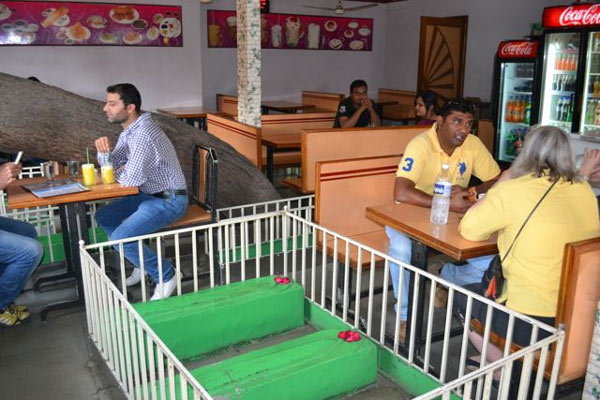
202 123
264 110
73 212
69 273
270 162
419 260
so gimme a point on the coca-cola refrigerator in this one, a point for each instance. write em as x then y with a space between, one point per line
514 98
570 85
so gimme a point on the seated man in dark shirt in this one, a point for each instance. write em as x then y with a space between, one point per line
357 110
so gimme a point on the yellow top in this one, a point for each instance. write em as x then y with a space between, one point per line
532 269
423 158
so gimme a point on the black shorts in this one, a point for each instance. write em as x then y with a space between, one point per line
521 329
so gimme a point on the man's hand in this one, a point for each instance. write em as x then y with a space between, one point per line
367 104
590 167
8 173
103 144
459 199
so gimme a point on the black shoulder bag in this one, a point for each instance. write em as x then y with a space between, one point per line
493 278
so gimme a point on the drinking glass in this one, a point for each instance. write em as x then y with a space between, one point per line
48 171
73 168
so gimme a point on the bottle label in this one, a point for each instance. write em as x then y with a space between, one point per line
442 189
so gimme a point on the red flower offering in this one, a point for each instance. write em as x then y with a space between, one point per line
349 336
282 280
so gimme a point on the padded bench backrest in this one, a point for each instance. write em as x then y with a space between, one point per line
345 188
405 107
342 144
244 138
322 100
227 104
577 304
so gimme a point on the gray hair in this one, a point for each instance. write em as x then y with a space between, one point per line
547 151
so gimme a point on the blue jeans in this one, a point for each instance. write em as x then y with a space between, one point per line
401 249
140 215
20 254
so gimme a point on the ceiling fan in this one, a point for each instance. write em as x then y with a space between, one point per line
339 8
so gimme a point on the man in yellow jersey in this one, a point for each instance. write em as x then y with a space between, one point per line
447 141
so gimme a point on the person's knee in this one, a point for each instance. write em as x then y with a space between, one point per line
32 250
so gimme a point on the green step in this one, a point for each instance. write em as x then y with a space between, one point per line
315 366
196 324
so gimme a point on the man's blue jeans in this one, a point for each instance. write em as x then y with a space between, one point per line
401 249
20 254
140 215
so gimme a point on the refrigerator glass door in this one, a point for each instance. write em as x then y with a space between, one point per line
559 80
590 113
514 116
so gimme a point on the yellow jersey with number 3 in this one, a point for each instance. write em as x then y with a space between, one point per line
423 158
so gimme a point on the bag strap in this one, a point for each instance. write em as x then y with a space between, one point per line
527 219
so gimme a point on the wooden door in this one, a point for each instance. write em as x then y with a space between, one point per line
442 51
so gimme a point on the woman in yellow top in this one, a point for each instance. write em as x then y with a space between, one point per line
568 213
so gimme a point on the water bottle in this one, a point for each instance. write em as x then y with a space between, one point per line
441 197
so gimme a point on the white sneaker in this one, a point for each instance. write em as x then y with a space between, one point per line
134 278
164 290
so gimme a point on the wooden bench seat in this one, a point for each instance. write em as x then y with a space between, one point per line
322 101
341 144
194 215
344 190
578 298
404 110
377 240
246 139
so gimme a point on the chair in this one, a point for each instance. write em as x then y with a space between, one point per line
204 190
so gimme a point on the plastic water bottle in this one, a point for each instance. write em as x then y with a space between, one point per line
441 197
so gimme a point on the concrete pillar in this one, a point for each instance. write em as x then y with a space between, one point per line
248 61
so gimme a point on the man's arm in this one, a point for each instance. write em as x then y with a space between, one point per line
374 116
406 192
350 122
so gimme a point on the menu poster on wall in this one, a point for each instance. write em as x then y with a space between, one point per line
58 23
288 31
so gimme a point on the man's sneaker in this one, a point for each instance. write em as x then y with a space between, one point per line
20 311
165 289
10 317
134 278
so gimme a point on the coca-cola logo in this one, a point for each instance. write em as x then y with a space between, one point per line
578 15
518 49
527 49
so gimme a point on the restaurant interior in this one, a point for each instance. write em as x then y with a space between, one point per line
267 207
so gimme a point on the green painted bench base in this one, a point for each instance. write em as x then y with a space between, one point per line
196 324
315 366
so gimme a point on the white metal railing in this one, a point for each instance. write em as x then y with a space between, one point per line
319 259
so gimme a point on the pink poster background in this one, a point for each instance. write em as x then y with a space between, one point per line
289 31
84 24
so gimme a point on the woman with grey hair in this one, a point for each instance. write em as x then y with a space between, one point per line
544 172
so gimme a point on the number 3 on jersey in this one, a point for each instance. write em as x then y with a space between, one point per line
408 164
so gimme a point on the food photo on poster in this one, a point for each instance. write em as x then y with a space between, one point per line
50 23
289 31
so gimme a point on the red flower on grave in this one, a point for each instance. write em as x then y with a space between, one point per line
282 280
349 336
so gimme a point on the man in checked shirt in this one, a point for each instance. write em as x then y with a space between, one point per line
143 157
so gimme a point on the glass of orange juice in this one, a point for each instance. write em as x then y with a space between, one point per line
108 174
89 174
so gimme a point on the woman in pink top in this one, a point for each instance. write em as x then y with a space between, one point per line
426 107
